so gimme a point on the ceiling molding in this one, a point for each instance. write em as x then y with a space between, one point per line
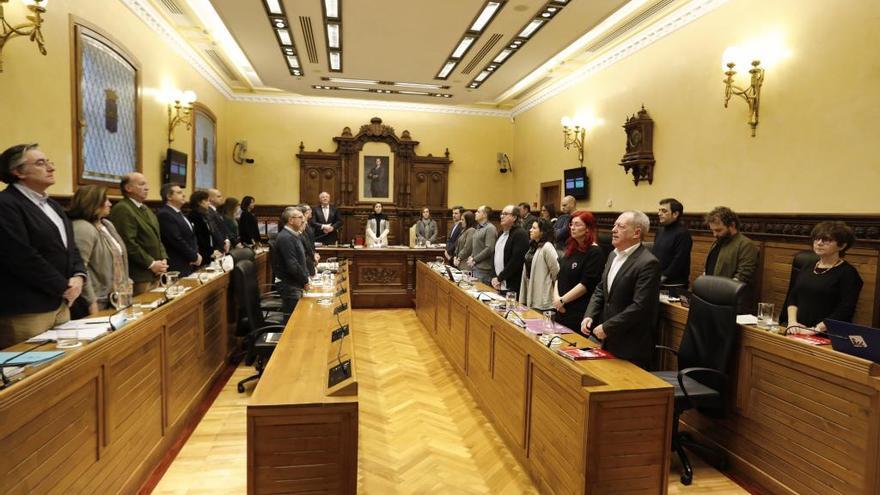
369 104
153 19
658 30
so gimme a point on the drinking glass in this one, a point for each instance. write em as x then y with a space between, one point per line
549 324
67 338
121 299
511 300
765 315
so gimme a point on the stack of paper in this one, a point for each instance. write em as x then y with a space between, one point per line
88 329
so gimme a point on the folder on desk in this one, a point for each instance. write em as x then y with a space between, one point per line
6 358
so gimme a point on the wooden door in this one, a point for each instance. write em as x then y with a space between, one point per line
551 193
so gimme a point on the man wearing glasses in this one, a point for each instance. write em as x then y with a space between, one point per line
43 273
510 251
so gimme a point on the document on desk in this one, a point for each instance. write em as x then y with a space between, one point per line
28 357
87 329
747 319
478 294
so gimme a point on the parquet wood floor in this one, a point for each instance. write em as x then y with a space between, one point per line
420 430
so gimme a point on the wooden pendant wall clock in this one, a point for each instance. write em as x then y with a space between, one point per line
639 156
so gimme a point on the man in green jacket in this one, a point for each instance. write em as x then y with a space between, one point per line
732 255
139 229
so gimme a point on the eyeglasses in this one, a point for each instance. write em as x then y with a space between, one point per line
504 214
826 240
42 163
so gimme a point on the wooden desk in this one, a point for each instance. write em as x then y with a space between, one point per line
99 418
302 434
382 277
584 427
803 419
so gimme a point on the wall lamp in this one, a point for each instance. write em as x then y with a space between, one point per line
752 94
180 107
31 29
573 133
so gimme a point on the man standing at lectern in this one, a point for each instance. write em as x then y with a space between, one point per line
326 221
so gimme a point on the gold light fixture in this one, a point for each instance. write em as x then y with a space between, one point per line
180 106
574 131
31 29
752 94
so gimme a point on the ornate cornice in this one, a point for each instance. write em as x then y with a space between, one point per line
154 20
658 30
368 104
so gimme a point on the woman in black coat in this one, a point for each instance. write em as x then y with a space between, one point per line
198 204
248 229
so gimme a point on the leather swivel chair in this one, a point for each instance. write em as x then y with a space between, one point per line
242 253
701 382
255 323
801 260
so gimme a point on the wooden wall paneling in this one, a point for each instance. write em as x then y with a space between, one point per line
556 432
629 444
182 366
319 172
214 335
510 375
51 436
479 357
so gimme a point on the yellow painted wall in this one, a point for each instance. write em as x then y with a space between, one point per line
815 149
35 91
274 132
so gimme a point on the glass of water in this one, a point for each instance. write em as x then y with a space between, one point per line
765 315
549 324
511 300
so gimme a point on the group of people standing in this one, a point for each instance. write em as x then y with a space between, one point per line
59 263
558 265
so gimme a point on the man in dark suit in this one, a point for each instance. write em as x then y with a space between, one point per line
289 260
525 211
624 307
510 251
219 232
326 221
455 232
42 270
178 235
139 229
378 177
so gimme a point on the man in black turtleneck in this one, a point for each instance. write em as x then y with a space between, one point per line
673 243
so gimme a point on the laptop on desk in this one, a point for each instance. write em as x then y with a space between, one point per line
855 340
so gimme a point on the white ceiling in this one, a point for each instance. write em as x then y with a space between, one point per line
405 41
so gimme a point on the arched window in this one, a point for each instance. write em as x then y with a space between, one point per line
204 147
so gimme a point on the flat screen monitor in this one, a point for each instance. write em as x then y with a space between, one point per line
577 183
175 167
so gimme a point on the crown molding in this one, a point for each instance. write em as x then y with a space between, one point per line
681 17
368 104
154 20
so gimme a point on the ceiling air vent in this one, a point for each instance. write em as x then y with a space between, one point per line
222 65
490 44
172 7
630 25
309 36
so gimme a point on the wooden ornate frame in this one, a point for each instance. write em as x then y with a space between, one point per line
202 108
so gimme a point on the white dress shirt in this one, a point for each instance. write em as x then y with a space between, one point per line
326 211
499 254
620 258
42 202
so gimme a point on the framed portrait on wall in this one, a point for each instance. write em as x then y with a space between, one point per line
107 137
377 179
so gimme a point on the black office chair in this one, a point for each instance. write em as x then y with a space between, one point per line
254 323
242 253
701 381
604 242
801 260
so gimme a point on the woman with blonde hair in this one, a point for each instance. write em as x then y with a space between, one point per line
100 247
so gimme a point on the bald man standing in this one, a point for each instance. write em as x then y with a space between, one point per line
139 229
561 227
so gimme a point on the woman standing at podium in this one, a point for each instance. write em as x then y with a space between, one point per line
377 227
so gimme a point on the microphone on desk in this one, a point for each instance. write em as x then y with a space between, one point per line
520 322
8 363
341 291
339 309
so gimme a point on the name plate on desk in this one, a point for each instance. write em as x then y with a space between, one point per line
339 333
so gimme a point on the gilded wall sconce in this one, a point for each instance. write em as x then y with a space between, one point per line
31 28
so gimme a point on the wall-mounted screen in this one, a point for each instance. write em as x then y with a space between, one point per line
175 167
577 183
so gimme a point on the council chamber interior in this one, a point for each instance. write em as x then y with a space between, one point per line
403 369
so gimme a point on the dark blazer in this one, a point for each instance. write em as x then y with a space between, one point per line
248 230
36 265
672 246
218 228
289 259
515 250
628 312
308 241
140 232
179 239
204 235
453 238
318 219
